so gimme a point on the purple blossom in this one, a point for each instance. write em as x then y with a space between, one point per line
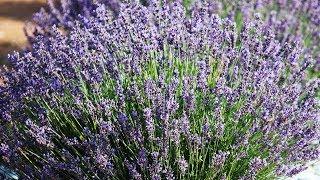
155 93
219 159
183 165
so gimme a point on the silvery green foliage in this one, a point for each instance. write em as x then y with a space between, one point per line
154 94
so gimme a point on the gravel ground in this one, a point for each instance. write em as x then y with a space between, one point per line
312 173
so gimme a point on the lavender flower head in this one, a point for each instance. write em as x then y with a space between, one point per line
63 14
288 19
159 94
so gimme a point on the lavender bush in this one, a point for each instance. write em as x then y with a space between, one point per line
289 19
160 94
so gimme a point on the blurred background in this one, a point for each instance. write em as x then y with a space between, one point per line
13 15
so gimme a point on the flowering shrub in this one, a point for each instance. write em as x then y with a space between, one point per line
156 94
289 19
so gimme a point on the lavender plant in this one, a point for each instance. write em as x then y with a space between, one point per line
64 14
290 19
154 94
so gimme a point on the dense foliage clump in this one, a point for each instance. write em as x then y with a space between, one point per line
158 93
289 19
